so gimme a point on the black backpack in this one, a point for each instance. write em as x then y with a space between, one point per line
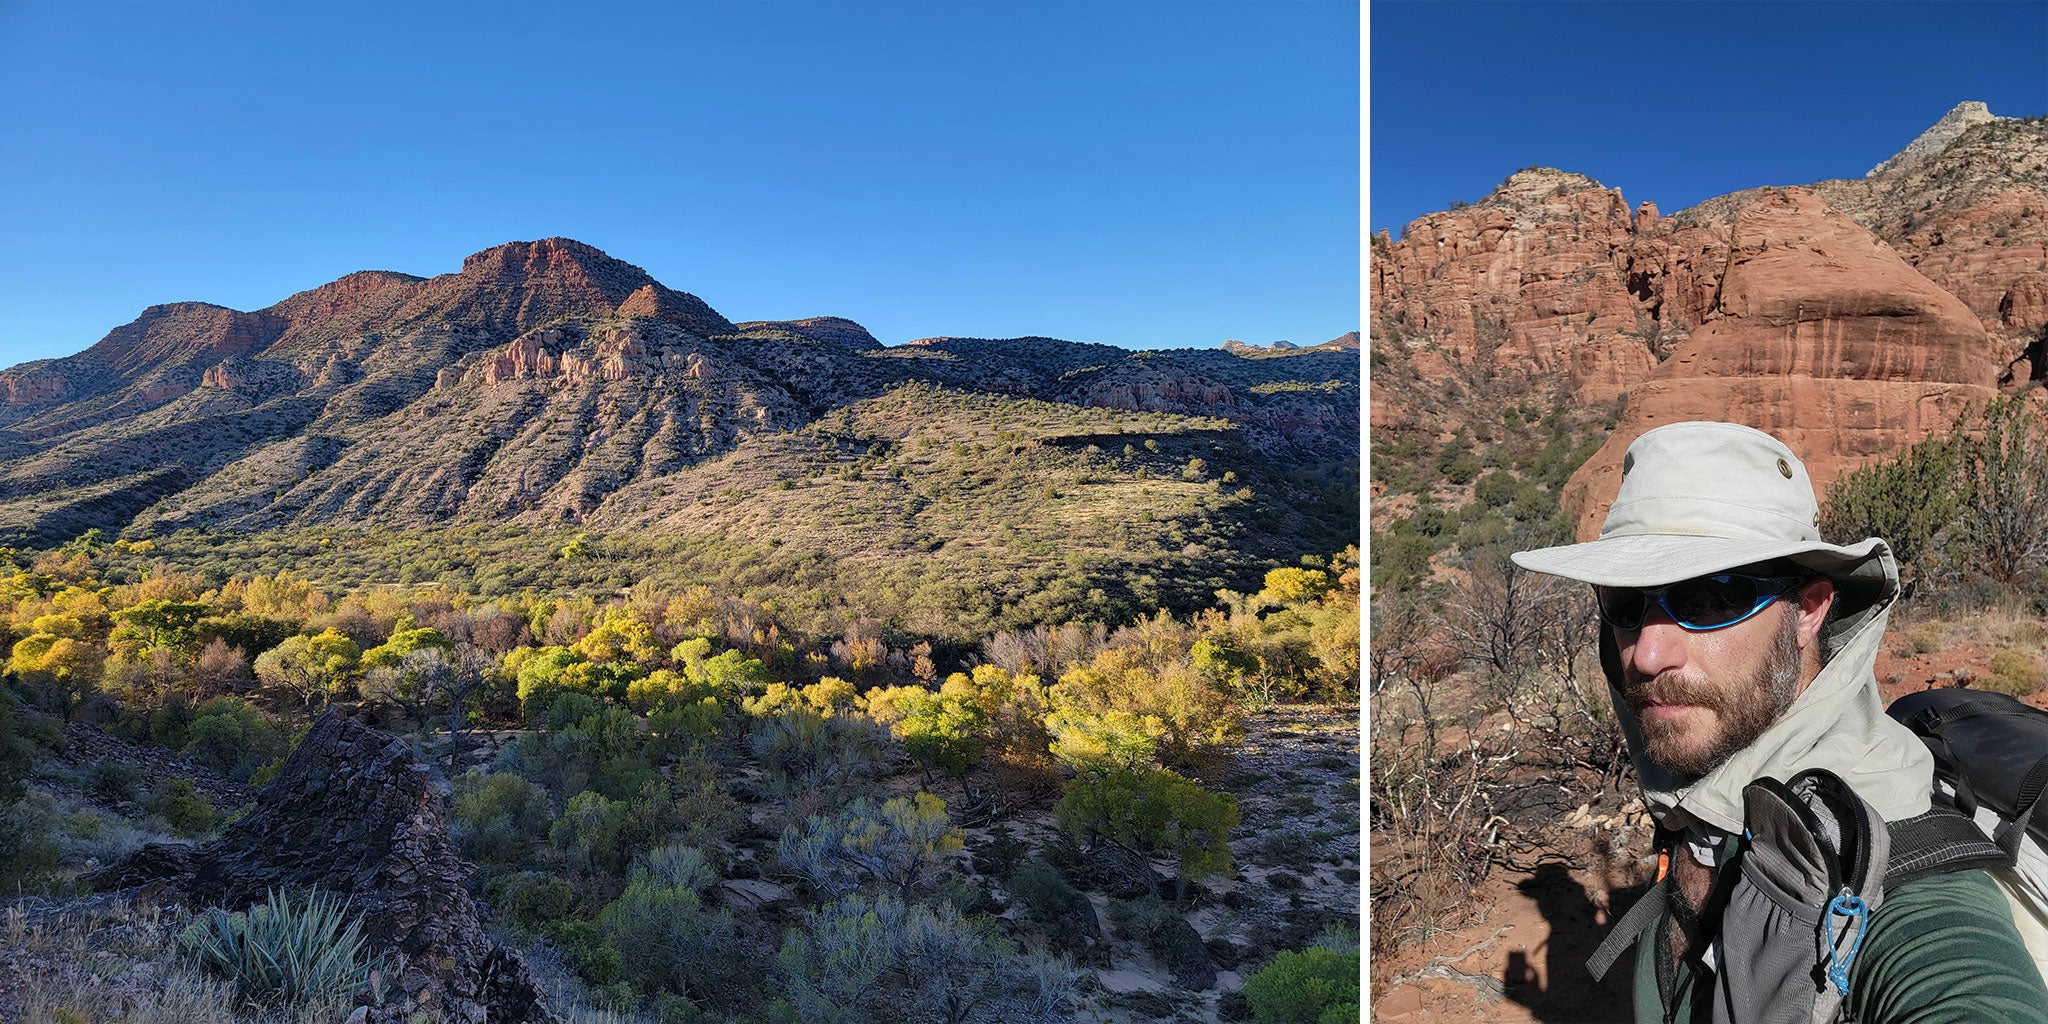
1991 762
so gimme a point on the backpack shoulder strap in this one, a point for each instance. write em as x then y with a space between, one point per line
1635 926
1642 920
1938 842
2013 830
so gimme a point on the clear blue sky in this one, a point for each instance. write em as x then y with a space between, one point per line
1675 102
1142 174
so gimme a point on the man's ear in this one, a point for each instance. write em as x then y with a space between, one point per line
1815 598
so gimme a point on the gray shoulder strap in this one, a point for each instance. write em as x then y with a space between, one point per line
1640 921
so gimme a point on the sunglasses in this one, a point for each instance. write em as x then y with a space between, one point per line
1699 604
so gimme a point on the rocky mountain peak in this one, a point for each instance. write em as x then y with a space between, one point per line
517 286
561 265
1937 137
172 334
1531 186
562 258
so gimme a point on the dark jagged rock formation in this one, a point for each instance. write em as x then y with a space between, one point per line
354 812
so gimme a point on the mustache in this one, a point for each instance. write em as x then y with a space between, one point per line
1671 687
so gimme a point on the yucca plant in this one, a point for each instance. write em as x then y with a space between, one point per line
288 949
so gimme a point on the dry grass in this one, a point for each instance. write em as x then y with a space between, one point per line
112 959
2007 624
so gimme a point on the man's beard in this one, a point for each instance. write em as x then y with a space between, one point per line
1742 712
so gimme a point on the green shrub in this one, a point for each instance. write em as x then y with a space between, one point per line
1314 986
583 948
1000 855
186 810
290 949
2015 672
1906 500
668 939
1153 810
15 759
84 824
31 855
232 737
1496 489
116 781
803 752
902 845
530 900
497 816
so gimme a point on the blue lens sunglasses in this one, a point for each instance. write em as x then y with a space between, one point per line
1700 604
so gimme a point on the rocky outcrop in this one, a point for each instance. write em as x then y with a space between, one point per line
1966 204
1931 142
1341 343
252 378
1549 275
1821 335
1545 289
33 384
354 812
832 330
657 302
141 365
1183 395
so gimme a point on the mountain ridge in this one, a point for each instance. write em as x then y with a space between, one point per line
1551 293
533 386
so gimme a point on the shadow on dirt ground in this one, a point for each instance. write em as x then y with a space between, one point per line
1562 992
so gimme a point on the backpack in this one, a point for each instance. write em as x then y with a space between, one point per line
1991 764
1817 861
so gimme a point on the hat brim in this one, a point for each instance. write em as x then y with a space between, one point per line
1653 560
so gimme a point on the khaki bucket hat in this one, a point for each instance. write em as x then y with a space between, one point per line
1699 498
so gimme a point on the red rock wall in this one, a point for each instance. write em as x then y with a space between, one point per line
1823 336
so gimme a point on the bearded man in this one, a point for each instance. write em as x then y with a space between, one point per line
1740 651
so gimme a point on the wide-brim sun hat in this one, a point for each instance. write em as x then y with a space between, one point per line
1699 498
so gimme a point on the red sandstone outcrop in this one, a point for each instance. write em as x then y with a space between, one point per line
1966 204
1823 336
612 352
658 302
1518 296
1548 275
33 385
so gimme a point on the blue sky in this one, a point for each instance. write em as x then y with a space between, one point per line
1675 102
1143 174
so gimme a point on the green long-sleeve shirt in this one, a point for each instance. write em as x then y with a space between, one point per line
1941 950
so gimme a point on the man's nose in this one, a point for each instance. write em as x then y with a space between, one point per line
1659 645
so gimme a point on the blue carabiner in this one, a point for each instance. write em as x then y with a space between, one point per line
1848 905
